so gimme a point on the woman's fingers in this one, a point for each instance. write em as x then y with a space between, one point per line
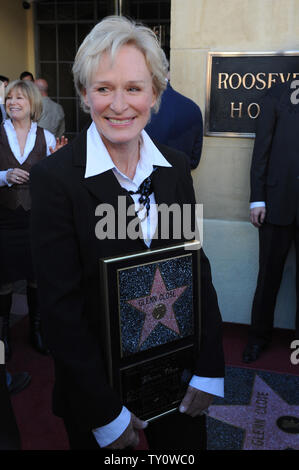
17 176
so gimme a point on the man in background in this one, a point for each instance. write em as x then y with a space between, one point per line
274 208
26 76
52 117
178 124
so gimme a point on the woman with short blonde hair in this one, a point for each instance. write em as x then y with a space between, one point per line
33 95
119 73
109 36
22 144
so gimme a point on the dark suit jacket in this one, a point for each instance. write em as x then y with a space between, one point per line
2 115
9 432
275 160
178 124
66 254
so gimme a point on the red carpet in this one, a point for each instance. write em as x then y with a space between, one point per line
40 430
275 359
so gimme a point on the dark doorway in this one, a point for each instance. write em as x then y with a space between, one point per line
61 26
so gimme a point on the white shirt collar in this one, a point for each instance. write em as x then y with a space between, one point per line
98 159
9 125
14 143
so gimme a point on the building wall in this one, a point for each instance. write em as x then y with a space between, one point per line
222 177
16 39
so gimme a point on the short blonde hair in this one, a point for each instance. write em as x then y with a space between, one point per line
32 93
108 36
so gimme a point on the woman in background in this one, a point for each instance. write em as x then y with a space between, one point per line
22 144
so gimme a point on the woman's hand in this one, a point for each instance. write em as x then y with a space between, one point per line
195 402
17 176
130 437
59 144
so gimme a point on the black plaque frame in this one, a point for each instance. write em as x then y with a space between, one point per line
246 62
150 382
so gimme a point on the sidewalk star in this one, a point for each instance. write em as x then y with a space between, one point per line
158 307
268 421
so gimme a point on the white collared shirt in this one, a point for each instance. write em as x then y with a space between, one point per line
30 142
257 204
149 157
98 161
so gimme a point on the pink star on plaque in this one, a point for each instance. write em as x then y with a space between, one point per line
269 422
158 307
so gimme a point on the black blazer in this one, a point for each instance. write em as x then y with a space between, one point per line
9 432
275 160
66 254
2 115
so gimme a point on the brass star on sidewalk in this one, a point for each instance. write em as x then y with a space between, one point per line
158 307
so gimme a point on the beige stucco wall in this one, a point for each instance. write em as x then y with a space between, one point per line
201 26
16 39
222 178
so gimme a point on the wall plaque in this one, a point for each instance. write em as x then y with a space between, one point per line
236 82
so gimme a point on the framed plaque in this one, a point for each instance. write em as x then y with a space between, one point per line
236 81
151 325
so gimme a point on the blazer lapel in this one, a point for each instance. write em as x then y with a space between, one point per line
107 189
164 185
104 186
165 179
